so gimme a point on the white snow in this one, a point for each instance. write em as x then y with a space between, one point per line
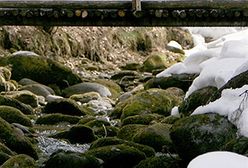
219 159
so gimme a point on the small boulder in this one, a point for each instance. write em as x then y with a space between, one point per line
52 119
77 134
20 161
199 134
37 89
85 97
118 156
13 115
155 61
64 106
72 160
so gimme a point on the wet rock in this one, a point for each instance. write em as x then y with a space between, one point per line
196 99
51 98
64 106
182 81
199 134
16 104
25 97
133 66
72 160
147 102
118 156
77 134
40 69
144 119
120 75
86 87
159 162
108 141
156 136
51 119
20 161
13 115
15 141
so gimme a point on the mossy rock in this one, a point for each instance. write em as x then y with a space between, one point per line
86 87
196 99
113 87
63 159
155 61
97 123
13 115
85 97
108 141
127 132
120 75
20 161
106 131
77 134
118 156
5 153
40 69
4 100
37 89
198 134
51 119
159 162
182 81
239 145
25 97
170 119
15 141
64 106
144 119
85 119
156 136
147 102
4 157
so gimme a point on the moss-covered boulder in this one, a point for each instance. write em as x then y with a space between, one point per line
86 119
64 106
13 115
196 99
20 161
182 81
5 153
156 136
144 119
15 141
51 119
97 123
108 141
40 69
85 97
127 132
4 100
77 134
239 145
199 134
118 156
106 131
72 160
159 162
25 97
85 87
147 102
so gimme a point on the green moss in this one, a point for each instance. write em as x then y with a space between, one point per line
144 119
26 97
3 157
170 119
128 131
106 131
20 161
13 115
85 119
97 123
64 106
155 61
51 119
85 97
77 134
159 162
72 160
15 141
16 104
118 156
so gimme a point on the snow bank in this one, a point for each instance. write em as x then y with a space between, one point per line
219 159
233 104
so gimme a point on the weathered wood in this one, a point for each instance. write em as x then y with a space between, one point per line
124 4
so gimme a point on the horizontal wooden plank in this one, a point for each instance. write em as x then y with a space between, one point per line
124 4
